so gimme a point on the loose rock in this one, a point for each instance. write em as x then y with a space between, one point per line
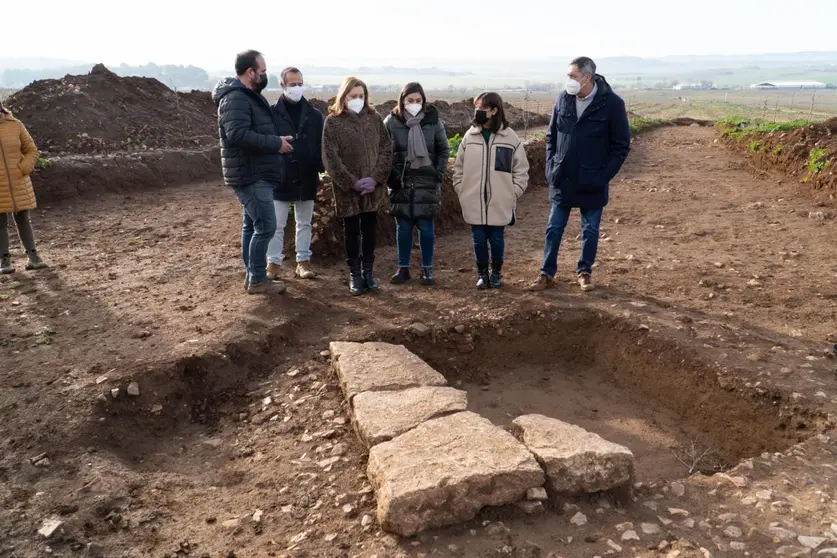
811 542
419 329
579 519
538 493
49 527
733 532
650 528
793 551
630 535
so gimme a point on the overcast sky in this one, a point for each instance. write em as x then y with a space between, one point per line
208 33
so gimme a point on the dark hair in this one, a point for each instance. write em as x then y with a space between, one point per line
246 60
409 89
585 65
491 100
289 70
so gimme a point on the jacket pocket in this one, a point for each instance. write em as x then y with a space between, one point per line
503 159
596 126
591 175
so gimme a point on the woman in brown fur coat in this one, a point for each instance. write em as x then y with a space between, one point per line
358 154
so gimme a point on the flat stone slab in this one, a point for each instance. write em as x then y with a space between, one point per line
383 415
447 469
379 367
575 460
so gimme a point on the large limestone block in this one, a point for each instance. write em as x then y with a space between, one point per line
383 415
380 367
575 460
446 470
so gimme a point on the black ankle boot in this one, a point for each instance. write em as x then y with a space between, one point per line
482 275
496 278
427 276
369 275
356 285
400 276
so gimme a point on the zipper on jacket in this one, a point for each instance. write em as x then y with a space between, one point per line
487 174
9 176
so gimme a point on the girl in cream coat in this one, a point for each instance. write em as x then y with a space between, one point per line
490 174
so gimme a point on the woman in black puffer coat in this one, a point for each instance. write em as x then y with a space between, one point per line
420 157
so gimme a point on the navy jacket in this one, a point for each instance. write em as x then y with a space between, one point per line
584 154
250 143
302 166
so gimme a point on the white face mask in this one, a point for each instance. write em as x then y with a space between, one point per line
413 109
573 87
356 105
295 93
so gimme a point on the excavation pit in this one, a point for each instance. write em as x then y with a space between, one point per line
649 392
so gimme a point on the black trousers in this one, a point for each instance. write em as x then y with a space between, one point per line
359 233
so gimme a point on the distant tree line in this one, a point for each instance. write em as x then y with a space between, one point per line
181 77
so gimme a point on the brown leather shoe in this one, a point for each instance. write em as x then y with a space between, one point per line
273 271
585 281
266 287
542 283
303 271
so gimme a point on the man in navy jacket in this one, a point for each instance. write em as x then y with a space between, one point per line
587 142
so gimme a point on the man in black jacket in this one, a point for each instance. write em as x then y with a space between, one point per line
251 159
588 140
297 118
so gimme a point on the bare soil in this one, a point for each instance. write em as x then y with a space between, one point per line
791 153
716 305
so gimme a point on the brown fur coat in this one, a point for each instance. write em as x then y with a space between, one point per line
356 146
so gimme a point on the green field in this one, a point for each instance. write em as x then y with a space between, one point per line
716 105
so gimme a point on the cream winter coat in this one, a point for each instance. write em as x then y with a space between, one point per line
490 177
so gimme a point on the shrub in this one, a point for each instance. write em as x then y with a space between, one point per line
453 144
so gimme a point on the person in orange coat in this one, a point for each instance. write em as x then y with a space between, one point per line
18 156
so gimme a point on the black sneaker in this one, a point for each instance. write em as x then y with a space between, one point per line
427 276
35 261
496 278
6 265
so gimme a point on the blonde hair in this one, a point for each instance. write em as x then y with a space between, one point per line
349 83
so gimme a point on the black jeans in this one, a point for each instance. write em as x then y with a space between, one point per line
24 231
359 233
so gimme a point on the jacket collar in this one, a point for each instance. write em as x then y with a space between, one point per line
474 130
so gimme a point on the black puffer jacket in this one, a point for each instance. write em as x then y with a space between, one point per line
416 193
250 142
304 165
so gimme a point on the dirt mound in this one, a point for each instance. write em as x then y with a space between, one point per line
808 154
101 112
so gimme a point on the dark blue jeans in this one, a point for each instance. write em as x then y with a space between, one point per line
558 217
485 235
257 228
427 239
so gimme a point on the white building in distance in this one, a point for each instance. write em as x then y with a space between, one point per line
788 85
